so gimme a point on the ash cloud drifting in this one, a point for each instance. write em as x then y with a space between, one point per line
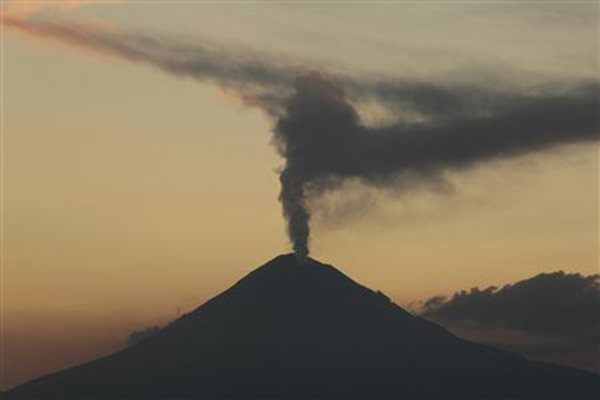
233 69
317 128
324 142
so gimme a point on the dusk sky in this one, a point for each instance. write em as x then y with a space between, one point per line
131 195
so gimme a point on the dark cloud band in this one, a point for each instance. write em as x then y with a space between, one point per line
550 303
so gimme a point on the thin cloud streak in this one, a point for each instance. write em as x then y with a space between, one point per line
230 70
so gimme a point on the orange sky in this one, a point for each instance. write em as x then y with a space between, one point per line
122 184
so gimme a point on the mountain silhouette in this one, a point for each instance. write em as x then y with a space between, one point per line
288 331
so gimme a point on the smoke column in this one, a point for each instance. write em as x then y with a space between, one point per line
324 142
317 129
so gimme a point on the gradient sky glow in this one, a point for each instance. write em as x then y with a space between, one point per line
131 196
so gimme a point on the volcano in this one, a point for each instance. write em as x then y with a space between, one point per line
288 331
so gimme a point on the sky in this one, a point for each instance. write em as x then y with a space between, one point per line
131 194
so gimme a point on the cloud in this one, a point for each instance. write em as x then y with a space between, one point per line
263 80
324 141
552 316
549 303
256 81
318 129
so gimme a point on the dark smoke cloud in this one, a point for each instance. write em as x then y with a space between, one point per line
236 69
318 130
262 80
324 141
552 316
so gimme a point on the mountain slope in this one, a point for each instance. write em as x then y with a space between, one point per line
289 331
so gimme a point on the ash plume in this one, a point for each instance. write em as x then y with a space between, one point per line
318 130
233 69
324 142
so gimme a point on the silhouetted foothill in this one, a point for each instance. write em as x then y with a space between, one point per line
309 332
